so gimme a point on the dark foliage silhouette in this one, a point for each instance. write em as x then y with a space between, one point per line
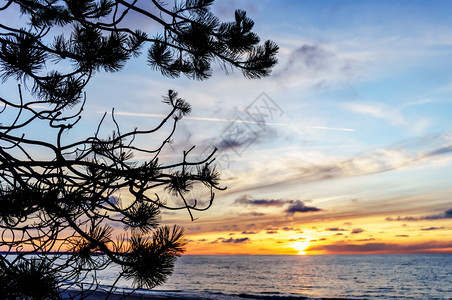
59 209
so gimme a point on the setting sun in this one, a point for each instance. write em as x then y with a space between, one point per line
300 247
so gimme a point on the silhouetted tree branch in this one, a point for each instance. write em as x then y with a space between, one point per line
59 201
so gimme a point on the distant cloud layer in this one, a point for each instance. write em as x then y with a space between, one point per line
446 215
427 247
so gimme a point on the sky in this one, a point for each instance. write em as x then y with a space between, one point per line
346 148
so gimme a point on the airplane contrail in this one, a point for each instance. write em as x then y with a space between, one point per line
197 118
332 128
123 113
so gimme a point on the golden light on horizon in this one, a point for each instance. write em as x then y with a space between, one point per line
300 247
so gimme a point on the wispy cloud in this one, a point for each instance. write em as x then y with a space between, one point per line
312 167
393 116
376 110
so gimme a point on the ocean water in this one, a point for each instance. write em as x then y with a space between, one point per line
420 276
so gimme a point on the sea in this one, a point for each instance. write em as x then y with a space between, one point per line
414 276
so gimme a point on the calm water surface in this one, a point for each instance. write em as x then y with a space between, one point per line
313 277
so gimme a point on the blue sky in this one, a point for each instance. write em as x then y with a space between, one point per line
362 128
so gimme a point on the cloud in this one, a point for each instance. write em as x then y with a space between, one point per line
432 228
217 240
239 135
316 64
252 214
446 215
357 230
248 200
249 232
197 202
393 116
225 10
399 218
299 207
320 167
378 111
365 240
232 143
287 228
314 57
294 206
236 241
440 151
335 229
